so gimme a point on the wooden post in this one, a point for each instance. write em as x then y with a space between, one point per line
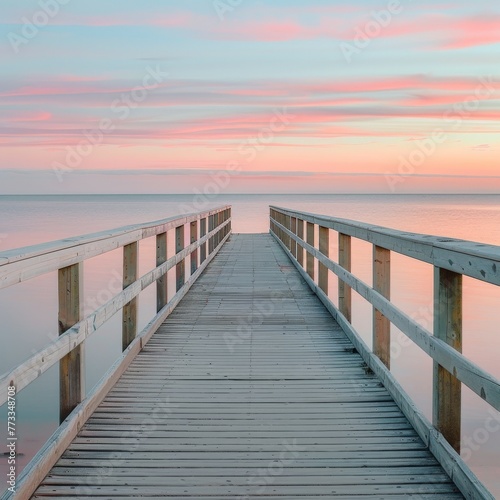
288 225
161 284
193 231
211 239
203 247
382 284
71 366
129 315
447 394
293 229
179 268
310 256
300 248
345 292
324 248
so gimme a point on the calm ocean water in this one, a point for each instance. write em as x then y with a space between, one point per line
27 220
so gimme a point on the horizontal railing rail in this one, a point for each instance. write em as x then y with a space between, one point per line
452 259
208 231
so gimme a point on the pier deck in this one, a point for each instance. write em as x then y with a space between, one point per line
248 389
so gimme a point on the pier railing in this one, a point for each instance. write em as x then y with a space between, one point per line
452 259
208 232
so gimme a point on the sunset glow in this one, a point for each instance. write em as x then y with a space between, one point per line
282 96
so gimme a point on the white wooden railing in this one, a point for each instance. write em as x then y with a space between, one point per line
452 259
66 257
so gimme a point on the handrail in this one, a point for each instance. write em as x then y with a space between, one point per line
66 257
452 258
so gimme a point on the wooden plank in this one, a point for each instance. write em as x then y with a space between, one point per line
71 366
382 285
130 275
447 389
345 292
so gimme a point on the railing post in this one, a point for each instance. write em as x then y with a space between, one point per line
324 248
288 225
203 247
447 394
211 239
193 231
300 248
179 268
71 366
345 292
382 284
129 315
161 283
310 256
293 243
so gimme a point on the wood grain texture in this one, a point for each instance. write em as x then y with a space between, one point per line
249 389
447 389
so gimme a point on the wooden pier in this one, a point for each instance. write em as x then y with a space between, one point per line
248 387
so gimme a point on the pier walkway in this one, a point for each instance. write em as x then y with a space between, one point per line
249 388
249 382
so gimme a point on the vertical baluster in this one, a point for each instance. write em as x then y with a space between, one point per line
203 232
310 256
324 248
179 268
447 392
382 284
300 248
161 283
71 366
193 230
130 273
345 293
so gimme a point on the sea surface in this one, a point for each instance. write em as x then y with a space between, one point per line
28 311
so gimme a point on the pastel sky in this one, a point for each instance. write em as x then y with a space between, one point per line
111 96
